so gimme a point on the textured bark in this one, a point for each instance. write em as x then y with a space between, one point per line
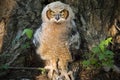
6 7
2 33
96 20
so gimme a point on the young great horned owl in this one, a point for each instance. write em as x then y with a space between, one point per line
55 38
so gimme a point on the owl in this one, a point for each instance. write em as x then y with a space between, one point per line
56 39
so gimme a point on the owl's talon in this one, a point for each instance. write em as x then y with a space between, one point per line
63 76
51 71
70 73
66 75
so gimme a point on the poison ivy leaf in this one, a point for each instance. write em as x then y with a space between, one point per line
28 32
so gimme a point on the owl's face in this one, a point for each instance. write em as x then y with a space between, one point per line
57 15
57 12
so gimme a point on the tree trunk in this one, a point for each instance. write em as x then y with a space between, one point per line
6 7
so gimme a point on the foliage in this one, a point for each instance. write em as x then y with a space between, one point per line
100 55
25 45
22 43
28 32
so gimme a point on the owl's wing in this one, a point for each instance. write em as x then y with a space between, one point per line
37 36
74 41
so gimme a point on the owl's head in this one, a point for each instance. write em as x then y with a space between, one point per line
57 12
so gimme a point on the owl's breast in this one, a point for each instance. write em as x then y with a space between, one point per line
55 33
54 42
55 36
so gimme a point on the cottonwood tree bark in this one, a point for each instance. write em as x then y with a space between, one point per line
96 20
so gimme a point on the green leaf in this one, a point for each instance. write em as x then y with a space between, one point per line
101 56
26 45
93 61
28 32
96 49
86 63
105 43
102 48
108 41
108 63
108 52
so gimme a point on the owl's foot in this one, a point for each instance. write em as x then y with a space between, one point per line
51 71
70 73
66 75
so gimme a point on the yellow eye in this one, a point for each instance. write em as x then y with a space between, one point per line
64 13
50 14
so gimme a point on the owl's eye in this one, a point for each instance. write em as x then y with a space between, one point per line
64 13
50 14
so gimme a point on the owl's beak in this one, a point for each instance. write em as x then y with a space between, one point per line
57 17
